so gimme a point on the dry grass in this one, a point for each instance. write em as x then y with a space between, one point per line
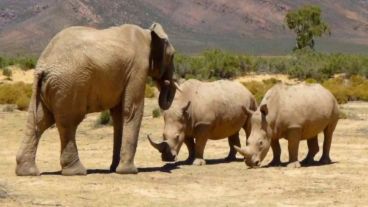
219 183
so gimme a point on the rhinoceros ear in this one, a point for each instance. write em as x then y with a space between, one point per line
264 109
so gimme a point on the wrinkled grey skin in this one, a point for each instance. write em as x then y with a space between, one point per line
85 70
295 113
202 111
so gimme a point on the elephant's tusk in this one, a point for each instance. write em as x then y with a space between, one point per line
166 82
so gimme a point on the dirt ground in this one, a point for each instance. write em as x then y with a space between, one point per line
343 183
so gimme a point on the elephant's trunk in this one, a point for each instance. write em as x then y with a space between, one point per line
167 90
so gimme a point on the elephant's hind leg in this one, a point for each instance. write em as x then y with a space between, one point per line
38 121
116 114
69 158
233 140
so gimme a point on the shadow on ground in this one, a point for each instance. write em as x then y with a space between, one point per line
167 168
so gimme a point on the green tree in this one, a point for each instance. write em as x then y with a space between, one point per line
306 23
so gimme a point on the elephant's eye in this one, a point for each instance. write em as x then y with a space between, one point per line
260 143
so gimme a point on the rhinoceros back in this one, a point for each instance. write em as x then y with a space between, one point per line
309 106
219 103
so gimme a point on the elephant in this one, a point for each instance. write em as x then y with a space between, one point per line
202 111
84 70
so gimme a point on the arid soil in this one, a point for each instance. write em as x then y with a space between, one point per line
343 183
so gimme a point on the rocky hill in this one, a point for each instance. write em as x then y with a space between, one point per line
252 26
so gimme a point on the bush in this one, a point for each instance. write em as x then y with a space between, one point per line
344 90
302 64
149 91
8 73
259 89
23 62
22 102
104 118
156 113
17 93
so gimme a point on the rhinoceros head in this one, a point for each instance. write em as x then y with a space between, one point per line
174 131
258 143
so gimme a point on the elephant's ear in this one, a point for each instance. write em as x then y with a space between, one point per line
158 30
159 44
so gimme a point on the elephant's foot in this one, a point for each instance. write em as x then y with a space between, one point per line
198 162
308 161
325 160
274 163
295 164
126 168
75 168
27 169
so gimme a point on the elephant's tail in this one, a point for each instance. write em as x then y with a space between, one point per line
39 76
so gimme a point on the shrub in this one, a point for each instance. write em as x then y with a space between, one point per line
259 89
8 73
22 102
24 62
17 93
104 118
9 107
344 90
156 113
149 92
302 64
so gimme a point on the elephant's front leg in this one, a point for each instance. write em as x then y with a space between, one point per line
132 116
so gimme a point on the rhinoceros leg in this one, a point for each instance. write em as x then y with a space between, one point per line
200 144
233 140
276 150
189 142
293 138
328 132
313 149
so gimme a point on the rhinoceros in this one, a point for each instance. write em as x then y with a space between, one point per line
202 111
295 113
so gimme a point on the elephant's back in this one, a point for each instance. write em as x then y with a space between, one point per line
86 43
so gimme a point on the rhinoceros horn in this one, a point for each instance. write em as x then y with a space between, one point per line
178 87
159 146
243 151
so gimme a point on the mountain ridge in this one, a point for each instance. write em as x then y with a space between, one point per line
251 26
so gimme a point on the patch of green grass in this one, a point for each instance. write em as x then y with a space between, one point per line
104 118
24 62
149 91
156 113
